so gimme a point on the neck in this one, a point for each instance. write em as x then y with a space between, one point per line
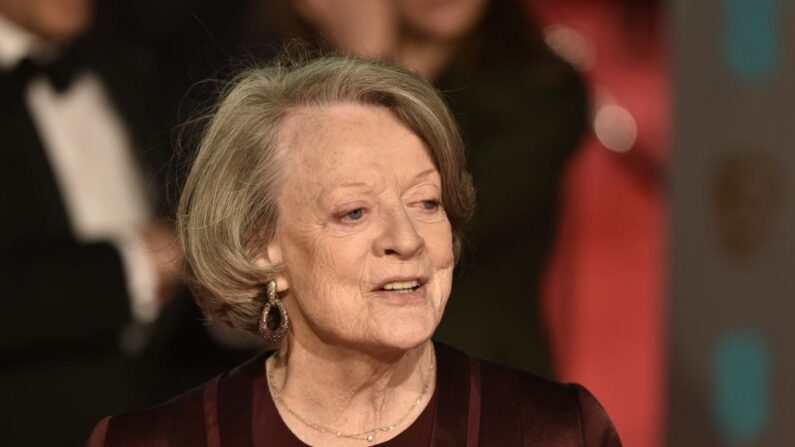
348 390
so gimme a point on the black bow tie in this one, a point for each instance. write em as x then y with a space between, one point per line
60 72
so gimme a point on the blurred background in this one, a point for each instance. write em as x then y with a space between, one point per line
635 229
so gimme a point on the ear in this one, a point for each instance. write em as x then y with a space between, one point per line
273 256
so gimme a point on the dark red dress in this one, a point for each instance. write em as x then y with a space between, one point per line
476 403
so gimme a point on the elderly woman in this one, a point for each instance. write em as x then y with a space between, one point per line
325 211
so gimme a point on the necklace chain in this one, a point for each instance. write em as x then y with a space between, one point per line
367 435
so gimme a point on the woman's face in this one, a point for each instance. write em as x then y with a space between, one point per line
367 246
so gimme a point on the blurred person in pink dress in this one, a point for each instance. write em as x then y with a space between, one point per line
604 295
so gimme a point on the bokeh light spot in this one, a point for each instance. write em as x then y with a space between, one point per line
571 45
615 127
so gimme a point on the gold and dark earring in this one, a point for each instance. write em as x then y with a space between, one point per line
274 321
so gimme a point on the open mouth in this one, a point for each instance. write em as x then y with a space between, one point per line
405 286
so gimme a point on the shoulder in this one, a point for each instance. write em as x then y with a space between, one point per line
517 407
550 413
190 420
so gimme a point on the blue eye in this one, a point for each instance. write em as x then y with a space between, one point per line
355 214
430 204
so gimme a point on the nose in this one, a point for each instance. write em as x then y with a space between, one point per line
399 236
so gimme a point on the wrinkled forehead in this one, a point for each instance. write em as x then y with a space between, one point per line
345 141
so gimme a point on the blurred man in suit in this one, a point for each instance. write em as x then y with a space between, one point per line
83 254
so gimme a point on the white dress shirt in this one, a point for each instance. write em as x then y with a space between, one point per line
89 149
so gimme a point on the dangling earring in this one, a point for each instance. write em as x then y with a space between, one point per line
274 320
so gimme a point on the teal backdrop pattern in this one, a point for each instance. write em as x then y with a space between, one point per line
732 257
751 37
741 391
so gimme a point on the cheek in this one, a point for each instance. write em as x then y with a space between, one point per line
326 273
439 240
304 262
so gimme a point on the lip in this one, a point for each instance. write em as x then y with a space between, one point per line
416 296
422 280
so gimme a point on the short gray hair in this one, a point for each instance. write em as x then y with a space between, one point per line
227 212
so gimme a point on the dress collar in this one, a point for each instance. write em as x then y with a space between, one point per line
451 427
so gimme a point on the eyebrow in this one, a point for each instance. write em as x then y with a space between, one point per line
422 174
425 173
325 192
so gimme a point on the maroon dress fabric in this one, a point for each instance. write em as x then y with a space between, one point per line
475 403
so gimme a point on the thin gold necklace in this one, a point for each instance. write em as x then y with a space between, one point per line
367 435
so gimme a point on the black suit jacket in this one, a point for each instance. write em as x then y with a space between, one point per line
64 303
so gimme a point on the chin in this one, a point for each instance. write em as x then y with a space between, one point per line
405 334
